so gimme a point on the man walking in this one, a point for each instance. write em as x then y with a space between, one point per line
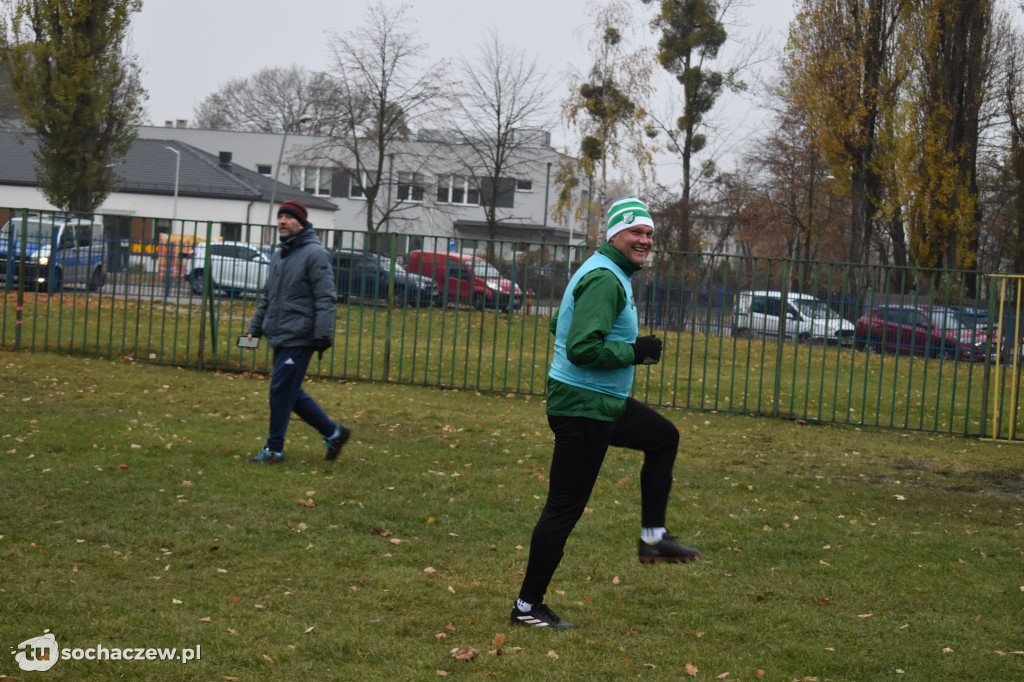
589 409
296 315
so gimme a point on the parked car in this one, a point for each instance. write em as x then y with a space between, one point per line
366 275
464 278
235 267
934 331
805 317
59 251
979 317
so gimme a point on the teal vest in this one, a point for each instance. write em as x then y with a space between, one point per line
616 382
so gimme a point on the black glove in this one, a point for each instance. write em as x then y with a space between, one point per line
646 350
320 345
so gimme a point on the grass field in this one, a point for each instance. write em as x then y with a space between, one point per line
129 519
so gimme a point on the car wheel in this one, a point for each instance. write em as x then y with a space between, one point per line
96 280
197 282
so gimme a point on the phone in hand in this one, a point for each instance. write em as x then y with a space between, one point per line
246 342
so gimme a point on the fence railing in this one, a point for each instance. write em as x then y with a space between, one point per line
868 345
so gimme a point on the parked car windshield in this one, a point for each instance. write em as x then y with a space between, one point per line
482 268
950 319
38 232
815 310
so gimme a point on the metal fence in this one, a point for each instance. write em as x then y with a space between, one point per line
827 342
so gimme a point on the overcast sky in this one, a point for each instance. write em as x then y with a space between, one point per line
188 48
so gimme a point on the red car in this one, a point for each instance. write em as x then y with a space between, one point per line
936 332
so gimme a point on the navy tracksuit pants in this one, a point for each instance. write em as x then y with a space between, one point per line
287 396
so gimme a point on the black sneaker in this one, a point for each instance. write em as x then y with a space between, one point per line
539 616
266 456
668 549
334 444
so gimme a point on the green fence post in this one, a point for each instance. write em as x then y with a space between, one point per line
207 304
784 305
22 256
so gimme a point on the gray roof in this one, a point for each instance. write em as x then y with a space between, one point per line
148 168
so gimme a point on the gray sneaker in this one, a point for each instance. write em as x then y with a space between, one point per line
266 456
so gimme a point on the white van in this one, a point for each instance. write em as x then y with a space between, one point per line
806 318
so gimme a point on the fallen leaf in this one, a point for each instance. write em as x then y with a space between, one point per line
691 670
268 658
310 628
499 639
430 569
865 615
552 654
383 532
722 676
467 654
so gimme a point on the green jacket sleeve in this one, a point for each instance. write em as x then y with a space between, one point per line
599 298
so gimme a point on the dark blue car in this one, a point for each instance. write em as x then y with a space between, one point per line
366 275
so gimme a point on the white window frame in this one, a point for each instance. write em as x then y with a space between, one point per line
311 179
411 186
459 190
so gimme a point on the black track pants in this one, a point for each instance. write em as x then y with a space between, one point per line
580 447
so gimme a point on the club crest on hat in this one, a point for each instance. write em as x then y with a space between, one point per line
627 217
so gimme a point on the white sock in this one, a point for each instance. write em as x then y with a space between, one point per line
652 535
523 606
337 432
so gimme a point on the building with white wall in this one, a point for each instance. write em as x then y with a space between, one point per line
432 191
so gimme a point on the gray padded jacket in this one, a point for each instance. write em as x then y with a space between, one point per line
298 303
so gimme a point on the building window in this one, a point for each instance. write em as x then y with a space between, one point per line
312 180
410 186
524 185
231 232
457 189
355 190
263 169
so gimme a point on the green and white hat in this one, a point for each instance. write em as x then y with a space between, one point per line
626 213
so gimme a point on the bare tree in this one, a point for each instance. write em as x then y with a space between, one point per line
503 103
608 107
381 92
271 100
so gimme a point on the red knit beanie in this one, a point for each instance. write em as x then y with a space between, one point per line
295 209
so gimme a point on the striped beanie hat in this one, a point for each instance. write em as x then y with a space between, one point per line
295 209
625 213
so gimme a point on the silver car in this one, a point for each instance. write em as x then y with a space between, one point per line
234 267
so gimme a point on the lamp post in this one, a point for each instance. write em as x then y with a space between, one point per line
177 175
277 168
174 218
